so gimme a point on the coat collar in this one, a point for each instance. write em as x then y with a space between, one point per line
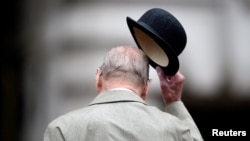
112 96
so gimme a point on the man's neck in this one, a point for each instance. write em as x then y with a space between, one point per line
123 87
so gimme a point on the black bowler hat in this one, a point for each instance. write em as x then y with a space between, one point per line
161 36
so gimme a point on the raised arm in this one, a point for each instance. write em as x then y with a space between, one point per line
172 87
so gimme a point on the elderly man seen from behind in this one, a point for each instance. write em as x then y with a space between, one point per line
120 113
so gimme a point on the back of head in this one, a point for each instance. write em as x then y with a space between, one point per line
127 65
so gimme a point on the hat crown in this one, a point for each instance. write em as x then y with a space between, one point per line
167 27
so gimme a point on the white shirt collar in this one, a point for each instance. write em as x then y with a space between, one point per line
125 89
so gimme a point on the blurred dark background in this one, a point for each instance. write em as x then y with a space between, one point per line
52 48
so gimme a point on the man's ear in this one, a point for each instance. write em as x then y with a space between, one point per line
98 80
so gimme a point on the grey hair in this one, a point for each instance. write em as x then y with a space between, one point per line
126 63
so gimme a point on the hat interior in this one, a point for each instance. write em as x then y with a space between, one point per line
151 48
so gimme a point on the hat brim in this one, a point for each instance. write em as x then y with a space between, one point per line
173 64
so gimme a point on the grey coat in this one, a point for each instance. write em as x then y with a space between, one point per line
121 115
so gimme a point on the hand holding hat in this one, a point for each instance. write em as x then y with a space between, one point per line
171 86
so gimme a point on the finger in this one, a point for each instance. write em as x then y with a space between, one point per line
179 77
160 73
177 81
169 78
